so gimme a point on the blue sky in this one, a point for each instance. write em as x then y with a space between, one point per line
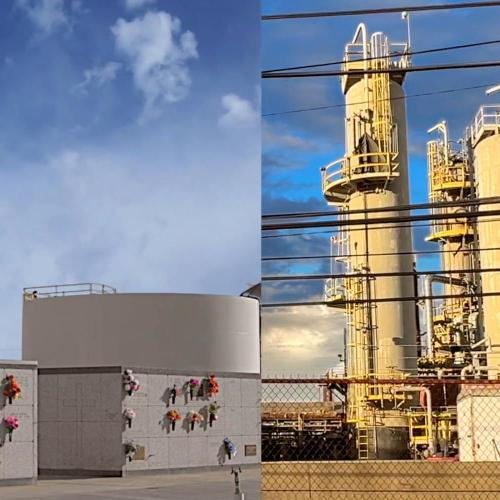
129 147
295 146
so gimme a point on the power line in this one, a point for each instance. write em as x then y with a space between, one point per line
380 254
381 220
413 298
385 10
390 71
389 56
372 228
398 98
396 208
387 274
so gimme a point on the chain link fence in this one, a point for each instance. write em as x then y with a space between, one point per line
405 438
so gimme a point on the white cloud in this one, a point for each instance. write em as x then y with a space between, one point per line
137 4
238 112
46 15
99 75
158 52
301 340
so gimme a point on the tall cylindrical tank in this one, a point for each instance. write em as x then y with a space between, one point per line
394 322
487 167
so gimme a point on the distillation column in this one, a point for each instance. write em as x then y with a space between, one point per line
381 336
484 139
452 327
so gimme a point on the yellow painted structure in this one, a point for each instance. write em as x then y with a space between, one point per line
451 328
484 139
381 336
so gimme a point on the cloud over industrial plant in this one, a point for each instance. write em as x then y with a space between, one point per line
301 340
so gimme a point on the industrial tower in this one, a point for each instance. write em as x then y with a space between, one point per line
453 324
483 139
381 338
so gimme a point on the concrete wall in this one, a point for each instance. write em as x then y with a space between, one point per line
80 421
198 332
82 429
18 458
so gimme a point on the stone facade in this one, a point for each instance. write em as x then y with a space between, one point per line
18 457
82 428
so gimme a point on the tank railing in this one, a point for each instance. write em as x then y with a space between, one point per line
488 116
358 166
355 52
334 287
47 291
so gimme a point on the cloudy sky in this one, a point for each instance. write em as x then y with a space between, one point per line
295 146
129 147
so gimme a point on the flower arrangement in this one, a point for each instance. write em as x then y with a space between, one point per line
12 423
195 418
130 383
129 415
212 386
213 409
12 390
130 450
193 384
230 448
173 416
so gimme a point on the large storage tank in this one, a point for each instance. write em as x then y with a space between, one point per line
484 137
163 330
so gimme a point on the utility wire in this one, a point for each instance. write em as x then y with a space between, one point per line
396 208
389 56
398 98
414 298
390 71
381 220
385 10
371 228
379 254
388 274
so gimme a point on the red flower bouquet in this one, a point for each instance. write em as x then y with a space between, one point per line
12 390
173 416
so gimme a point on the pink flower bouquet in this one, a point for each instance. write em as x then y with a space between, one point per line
129 414
12 423
130 383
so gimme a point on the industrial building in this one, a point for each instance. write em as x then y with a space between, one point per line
459 336
142 382
420 347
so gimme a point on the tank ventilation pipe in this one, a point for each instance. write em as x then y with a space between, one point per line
429 320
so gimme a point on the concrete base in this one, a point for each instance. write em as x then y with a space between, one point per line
192 485
380 479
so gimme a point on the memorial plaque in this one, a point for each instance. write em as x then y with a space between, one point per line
250 450
140 454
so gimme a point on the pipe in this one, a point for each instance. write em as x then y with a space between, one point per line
429 320
427 391
473 370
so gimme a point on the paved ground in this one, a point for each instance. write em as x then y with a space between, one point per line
210 485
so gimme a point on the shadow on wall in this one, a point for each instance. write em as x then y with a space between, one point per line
3 433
